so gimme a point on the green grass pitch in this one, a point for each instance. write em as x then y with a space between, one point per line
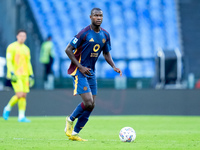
153 132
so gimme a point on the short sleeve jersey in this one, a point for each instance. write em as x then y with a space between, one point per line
88 46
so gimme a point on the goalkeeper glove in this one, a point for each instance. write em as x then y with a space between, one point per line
13 77
31 81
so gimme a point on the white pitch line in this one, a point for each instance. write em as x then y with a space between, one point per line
108 140
39 139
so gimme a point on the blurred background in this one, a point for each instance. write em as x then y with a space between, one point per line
154 42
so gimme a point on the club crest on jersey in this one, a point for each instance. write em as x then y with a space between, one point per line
85 88
75 40
103 40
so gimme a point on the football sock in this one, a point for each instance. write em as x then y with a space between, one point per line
22 107
74 133
21 114
12 102
69 119
77 112
82 120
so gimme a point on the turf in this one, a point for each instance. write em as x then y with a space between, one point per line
153 132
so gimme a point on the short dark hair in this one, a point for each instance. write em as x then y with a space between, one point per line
98 9
49 36
21 30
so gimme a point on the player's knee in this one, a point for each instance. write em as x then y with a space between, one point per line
89 106
20 95
92 107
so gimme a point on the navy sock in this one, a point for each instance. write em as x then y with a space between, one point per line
82 120
77 112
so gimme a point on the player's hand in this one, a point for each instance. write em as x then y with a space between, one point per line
85 71
31 81
118 70
13 77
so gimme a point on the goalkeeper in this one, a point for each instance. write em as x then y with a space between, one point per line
20 72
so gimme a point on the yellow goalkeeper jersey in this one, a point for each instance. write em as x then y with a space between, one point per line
18 60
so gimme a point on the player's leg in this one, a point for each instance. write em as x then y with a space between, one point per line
8 107
83 118
89 104
45 72
81 107
69 120
45 76
77 112
17 86
12 102
22 100
88 101
22 108
81 86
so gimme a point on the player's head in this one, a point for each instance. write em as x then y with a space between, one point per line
96 16
49 37
21 36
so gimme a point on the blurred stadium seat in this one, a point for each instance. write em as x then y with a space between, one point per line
137 29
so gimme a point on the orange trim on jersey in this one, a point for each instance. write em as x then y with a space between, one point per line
73 73
75 85
75 51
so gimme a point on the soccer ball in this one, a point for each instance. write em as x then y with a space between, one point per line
127 134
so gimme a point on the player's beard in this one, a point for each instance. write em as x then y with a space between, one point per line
96 25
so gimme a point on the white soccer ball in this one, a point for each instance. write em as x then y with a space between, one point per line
127 134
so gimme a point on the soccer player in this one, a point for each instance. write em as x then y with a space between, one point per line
84 50
47 58
20 72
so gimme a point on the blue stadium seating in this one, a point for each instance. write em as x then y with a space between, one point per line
137 30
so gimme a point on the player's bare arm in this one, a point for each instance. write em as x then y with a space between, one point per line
70 54
109 60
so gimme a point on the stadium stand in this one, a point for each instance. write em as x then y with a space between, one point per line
137 29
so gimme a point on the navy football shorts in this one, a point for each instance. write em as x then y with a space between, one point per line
84 84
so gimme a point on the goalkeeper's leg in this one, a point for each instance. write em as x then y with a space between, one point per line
8 107
22 110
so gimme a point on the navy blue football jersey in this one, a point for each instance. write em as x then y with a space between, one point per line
88 46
